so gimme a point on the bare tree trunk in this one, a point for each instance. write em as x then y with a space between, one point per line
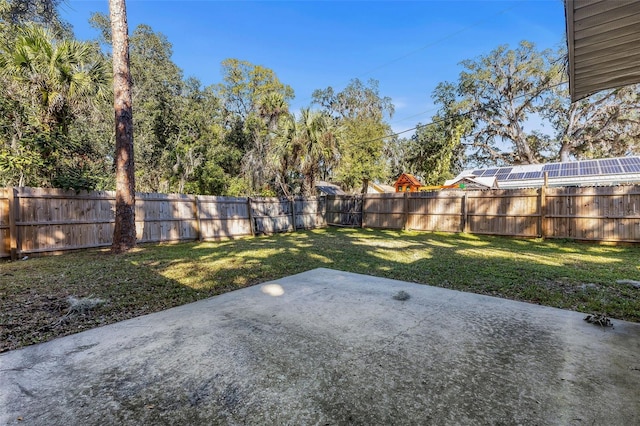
365 185
124 233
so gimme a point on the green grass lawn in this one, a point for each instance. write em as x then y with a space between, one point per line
34 293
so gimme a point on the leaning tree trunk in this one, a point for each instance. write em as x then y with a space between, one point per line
124 233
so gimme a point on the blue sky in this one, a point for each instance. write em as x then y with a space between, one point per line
409 47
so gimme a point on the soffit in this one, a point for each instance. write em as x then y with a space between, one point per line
603 38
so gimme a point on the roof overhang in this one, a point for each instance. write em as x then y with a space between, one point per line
603 38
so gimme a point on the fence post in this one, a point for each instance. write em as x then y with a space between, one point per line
292 200
253 231
361 209
325 203
14 211
466 227
542 205
405 218
463 228
196 206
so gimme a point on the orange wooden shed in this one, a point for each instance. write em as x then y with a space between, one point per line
407 183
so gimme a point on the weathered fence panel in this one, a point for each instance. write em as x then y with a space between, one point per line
36 220
513 212
54 219
435 211
165 218
272 215
5 236
222 217
596 214
384 211
309 212
344 210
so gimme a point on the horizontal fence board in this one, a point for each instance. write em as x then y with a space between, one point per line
65 222
435 223
504 225
58 237
212 229
173 230
384 220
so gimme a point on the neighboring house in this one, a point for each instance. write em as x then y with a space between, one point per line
326 188
471 182
407 183
607 171
378 188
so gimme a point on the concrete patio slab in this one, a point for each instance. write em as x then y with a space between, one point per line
331 348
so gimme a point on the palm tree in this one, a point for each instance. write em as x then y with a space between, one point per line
57 77
318 146
46 84
282 155
261 126
307 144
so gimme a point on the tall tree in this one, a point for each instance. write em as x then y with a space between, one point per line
200 160
245 85
361 113
397 152
519 104
606 124
157 93
252 98
502 92
124 233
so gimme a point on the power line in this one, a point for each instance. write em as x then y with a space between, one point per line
440 40
462 114
431 44
420 114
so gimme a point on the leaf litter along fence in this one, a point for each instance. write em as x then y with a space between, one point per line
35 220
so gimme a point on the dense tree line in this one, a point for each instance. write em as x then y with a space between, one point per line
239 136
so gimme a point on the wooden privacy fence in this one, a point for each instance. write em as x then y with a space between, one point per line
610 213
44 220
34 220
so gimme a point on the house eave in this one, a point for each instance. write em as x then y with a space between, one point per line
603 43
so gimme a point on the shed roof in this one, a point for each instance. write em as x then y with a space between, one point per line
329 188
603 38
410 178
489 182
380 188
608 171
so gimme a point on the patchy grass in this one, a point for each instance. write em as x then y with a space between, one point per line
35 293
